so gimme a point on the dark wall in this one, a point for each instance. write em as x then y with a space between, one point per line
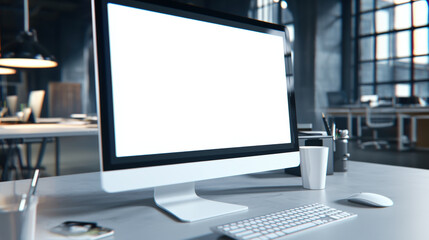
318 52
304 13
328 59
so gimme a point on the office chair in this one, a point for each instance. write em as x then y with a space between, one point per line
35 102
375 121
12 103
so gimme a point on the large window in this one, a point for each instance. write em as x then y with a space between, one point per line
392 39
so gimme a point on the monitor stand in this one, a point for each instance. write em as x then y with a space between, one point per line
181 201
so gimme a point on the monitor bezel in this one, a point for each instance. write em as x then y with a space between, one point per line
105 100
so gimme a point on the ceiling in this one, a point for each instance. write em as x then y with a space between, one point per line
43 13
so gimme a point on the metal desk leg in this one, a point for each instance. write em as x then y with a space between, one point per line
413 131
9 155
400 132
10 161
41 153
57 156
20 163
349 123
29 165
359 129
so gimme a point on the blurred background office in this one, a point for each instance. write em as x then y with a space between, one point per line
343 50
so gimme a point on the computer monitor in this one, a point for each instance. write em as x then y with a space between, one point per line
187 94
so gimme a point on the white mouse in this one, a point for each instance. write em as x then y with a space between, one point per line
371 199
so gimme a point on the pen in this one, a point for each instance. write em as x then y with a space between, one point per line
31 191
328 131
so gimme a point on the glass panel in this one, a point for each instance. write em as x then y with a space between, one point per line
402 69
366 72
383 46
366 23
420 13
382 20
366 90
421 89
366 48
366 5
384 71
421 41
276 13
384 3
403 16
401 1
393 70
403 90
403 44
421 68
291 30
287 16
384 91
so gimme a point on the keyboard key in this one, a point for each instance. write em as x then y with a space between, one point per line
299 228
251 236
240 234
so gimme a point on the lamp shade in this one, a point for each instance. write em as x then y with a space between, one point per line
26 52
7 71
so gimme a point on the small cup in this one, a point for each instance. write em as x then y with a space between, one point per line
314 163
15 224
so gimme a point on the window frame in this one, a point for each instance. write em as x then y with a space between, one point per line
357 37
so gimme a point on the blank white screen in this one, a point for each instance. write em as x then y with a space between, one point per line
184 85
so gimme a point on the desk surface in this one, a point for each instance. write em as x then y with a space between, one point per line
10 131
359 109
133 215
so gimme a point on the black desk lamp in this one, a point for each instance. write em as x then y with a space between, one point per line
26 52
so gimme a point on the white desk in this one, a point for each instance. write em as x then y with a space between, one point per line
13 131
44 131
401 113
133 214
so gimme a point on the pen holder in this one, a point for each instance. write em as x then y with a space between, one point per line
15 224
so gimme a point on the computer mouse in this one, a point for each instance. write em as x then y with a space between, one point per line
371 199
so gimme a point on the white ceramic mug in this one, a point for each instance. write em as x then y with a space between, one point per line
314 163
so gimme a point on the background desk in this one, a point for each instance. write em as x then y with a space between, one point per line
133 215
44 131
401 113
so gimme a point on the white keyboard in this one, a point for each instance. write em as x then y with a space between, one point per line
280 224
